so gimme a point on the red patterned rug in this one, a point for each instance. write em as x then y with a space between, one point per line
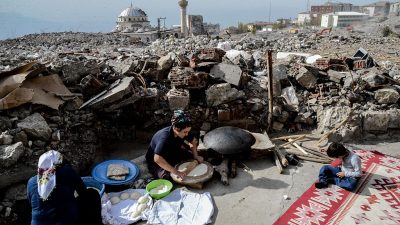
375 201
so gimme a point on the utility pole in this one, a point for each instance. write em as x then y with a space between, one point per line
269 11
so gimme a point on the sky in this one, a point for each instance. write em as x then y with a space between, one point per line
20 17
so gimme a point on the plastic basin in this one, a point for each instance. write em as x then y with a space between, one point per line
90 182
157 183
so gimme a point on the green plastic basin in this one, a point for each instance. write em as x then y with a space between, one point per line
157 183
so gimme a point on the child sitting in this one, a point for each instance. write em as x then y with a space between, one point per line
345 176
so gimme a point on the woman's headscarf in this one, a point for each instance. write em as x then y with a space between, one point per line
47 172
180 119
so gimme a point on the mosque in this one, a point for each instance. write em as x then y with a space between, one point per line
132 19
134 22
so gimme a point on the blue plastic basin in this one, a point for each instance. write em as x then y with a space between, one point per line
90 182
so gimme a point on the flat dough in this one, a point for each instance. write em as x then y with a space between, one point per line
135 214
141 207
158 190
183 166
199 170
143 200
115 200
135 195
124 196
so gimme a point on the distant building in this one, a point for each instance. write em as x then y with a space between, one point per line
381 8
260 26
195 24
304 18
284 22
132 19
342 19
134 22
212 28
307 18
394 9
330 7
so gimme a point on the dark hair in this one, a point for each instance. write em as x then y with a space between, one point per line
336 149
180 120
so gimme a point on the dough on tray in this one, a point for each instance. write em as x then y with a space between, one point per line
135 195
124 195
115 200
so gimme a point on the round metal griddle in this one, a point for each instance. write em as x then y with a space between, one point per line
228 140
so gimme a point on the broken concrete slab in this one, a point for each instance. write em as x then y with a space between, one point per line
36 127
376 121
178 99
222 93
166 62
336 76
373 79
115 92
306 78
230 73
9 154
329 117
387 96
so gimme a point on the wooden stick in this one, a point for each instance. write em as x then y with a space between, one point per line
314 152
292 140
270 91
298 147
278 163
295 152
287 137
314 159
281 156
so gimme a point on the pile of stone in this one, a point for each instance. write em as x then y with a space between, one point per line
119 89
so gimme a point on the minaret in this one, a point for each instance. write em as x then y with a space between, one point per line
183 4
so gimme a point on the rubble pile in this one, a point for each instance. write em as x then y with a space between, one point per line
108 89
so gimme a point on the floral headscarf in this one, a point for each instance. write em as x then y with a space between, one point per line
47 172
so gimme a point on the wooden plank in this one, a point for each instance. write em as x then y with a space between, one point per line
281 156
278 163
292 140
287 137
298 147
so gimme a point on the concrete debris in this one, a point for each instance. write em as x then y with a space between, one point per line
222 93
229 73
88 90
9 154
178 99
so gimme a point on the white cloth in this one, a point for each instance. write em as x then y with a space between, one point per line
182 207
121 213
46 178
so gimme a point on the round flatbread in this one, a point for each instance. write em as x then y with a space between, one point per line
199 170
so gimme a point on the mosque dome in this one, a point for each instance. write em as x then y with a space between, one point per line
132 12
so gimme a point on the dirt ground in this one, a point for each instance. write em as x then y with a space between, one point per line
255 196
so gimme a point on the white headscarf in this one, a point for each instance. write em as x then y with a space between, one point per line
46 178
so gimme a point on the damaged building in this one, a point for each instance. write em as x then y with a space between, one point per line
78 92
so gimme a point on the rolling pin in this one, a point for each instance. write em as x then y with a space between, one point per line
188 168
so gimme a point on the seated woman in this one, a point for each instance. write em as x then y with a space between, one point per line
170 146
51 194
